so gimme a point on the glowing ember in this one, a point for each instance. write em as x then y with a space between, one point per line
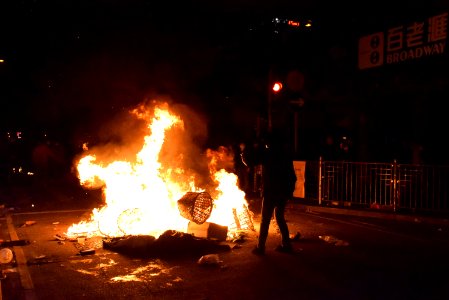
141 195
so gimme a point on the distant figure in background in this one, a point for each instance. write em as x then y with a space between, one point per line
279 180
329 150
242 167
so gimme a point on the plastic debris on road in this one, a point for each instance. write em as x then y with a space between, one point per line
6 255
333 240
59 237
28 223
87 252
295 237
210 260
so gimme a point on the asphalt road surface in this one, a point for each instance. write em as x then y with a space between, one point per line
338 256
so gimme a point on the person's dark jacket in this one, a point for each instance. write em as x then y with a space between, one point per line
279 176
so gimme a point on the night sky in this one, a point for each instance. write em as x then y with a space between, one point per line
71 66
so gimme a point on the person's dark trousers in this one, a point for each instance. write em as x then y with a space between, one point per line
269 205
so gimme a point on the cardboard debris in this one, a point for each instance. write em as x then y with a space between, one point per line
208 230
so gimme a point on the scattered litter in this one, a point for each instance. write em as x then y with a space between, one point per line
83 243
235 246
41 259
59 237
239 237
10 270
6 255
333 240
2 210
295 237
28 223
375 205
209 260
341 243
87 252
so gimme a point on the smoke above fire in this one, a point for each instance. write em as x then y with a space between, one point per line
154 157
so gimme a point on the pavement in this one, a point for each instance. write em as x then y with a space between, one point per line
307 206
344 271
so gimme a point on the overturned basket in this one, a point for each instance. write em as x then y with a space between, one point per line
196 206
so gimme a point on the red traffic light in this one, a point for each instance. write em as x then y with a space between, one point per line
277 86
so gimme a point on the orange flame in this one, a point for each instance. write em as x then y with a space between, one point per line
141 196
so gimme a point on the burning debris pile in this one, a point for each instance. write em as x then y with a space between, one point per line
196 207
160 191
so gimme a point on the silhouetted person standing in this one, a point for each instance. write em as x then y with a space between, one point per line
242 167
279 180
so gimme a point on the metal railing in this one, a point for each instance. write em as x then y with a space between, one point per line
388 186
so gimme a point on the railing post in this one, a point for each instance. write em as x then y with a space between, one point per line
320 166
395 169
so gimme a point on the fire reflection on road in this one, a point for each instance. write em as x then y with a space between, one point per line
102 264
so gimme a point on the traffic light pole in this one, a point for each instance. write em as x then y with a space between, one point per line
275 87
270 100
270 121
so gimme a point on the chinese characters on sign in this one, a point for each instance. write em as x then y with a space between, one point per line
405 42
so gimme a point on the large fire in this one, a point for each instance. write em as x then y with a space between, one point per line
141 195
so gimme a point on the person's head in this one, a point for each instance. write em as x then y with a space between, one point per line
277 141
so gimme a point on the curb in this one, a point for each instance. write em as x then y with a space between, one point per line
369 214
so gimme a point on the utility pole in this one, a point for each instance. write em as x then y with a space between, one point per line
275 87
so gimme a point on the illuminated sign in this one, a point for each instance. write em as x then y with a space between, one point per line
405 42
293 23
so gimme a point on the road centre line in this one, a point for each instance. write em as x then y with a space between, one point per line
25 277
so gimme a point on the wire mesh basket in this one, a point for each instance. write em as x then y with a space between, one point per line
196 206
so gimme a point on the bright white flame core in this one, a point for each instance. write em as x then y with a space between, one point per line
140 200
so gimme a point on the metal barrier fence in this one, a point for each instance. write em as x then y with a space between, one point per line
389 186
